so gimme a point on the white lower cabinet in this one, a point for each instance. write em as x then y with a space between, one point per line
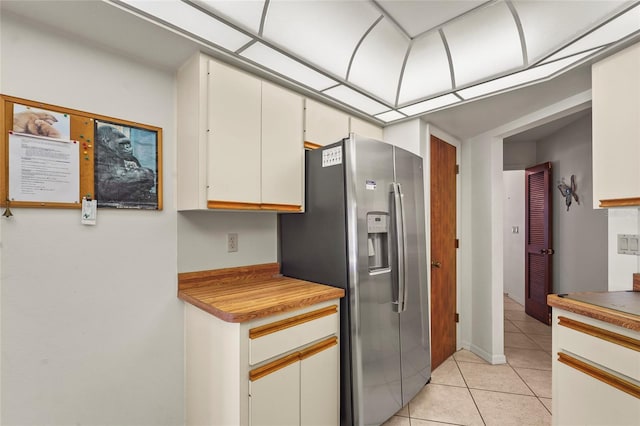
596 372
319 402
275 398
280 370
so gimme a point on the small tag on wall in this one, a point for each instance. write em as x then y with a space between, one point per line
89 209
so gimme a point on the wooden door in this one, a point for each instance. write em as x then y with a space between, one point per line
538 242
443 251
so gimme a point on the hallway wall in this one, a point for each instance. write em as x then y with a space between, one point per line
580 234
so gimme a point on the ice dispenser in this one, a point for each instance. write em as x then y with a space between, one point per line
378 241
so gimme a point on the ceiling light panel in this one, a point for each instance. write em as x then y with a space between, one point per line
523 77
193 21
378 62
416 17
427 69
624 25
390 116
548 25
325 33
430 104
355 99
246 14
484 44
282 64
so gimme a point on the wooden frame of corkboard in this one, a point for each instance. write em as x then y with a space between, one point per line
82 128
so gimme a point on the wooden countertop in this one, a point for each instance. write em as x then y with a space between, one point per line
249 292
592 304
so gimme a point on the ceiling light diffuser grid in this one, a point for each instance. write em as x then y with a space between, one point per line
615 30
288 67
427 71
430 105
548 25
356 99
521 78
195 22
246 14
324 33
382 50
484 44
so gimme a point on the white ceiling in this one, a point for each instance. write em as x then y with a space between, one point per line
363 36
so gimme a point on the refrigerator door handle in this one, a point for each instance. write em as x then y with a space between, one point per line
401 247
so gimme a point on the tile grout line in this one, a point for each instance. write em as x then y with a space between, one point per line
469 390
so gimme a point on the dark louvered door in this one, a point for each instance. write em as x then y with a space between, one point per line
538 242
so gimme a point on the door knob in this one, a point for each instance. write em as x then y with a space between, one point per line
547 251
435 264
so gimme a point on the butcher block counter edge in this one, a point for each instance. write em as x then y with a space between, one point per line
622 319
250 292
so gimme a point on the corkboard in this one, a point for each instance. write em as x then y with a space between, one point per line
82 129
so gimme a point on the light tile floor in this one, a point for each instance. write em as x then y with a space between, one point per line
466 390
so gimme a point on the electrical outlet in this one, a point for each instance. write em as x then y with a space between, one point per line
232 242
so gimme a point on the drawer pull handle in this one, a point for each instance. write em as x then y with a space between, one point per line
285 361
609 336
598 374
274 327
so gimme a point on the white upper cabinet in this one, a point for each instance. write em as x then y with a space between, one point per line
324 125
239 140
616 129
282 157
234 105
366 129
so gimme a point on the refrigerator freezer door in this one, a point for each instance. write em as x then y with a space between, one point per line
414 320
375 323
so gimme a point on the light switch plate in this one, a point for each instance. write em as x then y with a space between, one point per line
629 244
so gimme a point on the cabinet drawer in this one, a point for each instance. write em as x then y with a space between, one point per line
609 349
279 337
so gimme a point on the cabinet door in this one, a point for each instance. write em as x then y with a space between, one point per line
364 128
616 128
584 400
234 130
274 393
324 125
319 387
282 151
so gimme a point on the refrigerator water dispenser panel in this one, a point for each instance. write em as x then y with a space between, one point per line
378 242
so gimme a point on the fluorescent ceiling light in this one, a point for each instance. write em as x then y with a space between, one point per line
614 30
382 50
484 44
523 77
390 116
355 99
427 70
324 33
246 13
416 17
272 59
550 24
430 104
193 21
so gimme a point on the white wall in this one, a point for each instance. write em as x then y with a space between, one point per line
514 242
202 239
622 266
519 155
92 331
579 234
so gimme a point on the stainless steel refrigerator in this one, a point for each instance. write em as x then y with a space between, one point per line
364 230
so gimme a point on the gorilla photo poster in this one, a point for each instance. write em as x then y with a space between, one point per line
126 166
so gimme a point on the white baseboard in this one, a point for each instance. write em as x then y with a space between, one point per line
491 359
